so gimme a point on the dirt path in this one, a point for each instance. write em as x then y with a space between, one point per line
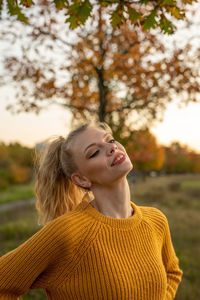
13 205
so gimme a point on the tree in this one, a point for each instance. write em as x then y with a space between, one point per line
195 162
145 13
180 158
110 74
145 152
16 164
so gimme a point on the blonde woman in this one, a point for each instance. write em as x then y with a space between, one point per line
102 247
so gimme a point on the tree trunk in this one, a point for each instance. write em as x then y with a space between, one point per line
102 95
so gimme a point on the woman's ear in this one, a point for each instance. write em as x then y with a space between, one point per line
80 180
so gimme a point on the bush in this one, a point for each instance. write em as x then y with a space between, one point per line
19 174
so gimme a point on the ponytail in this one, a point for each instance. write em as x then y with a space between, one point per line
56 193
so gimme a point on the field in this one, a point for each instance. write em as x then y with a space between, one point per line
17 192
177 196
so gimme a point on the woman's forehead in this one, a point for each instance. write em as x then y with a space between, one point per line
89 135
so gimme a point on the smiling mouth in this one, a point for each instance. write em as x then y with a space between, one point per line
119 160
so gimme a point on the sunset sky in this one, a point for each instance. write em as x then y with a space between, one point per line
27 128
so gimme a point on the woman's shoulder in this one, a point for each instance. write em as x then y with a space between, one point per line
66 220
72 224
73 229
154 217
152 212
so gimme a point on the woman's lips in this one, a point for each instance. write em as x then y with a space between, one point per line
118 159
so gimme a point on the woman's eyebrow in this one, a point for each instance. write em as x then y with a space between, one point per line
95 143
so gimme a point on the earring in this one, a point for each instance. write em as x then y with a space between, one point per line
87 198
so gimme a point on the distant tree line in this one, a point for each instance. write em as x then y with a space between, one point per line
17 161
16 164
147 155
179 159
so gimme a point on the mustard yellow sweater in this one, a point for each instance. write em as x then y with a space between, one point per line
86 255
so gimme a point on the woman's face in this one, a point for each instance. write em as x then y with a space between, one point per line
100 159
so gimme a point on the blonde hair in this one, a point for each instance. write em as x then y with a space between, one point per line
55 192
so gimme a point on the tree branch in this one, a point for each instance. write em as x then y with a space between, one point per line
80 108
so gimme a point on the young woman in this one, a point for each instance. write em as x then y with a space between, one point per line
101 248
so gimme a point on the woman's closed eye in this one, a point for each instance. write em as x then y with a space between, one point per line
94 154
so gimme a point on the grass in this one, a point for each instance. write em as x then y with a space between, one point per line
191 184
15 193
182 208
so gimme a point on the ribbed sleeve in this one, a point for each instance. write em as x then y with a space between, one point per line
20 267
170 260
86 255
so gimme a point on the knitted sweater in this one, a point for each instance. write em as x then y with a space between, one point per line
86 255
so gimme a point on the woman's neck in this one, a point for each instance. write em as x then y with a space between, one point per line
114 200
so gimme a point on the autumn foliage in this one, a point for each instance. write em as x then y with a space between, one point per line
180 158
147 155
16 164
109 74
145 152
145 13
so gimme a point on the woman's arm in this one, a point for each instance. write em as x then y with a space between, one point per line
20 267
170 261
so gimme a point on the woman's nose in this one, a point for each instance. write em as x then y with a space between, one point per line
111 148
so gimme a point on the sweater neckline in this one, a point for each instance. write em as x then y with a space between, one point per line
127 223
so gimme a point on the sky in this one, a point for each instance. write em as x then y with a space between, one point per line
181 125
27 128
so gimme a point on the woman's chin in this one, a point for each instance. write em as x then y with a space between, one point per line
124 171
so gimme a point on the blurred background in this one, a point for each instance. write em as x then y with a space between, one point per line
143 83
